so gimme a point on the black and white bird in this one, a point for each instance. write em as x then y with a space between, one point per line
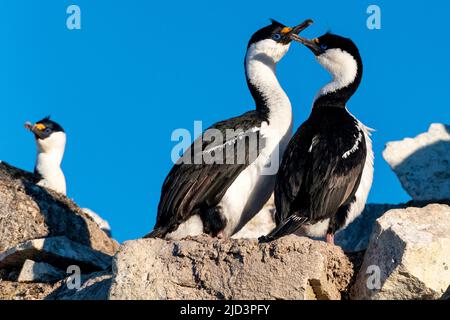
327 169
51 142
219 197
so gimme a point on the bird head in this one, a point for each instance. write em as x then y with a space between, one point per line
339 55
49 135
273 41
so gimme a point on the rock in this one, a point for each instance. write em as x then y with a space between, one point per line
58 251
30 212
40 272
102 223
207 268
408 256
423 163
94 286
24 291
357 235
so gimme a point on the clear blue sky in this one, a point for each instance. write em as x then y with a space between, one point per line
139 69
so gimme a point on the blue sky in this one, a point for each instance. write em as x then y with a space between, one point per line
137 70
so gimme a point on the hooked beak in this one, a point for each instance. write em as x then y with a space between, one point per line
312 45
287 32
37 129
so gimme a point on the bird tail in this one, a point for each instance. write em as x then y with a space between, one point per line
156 233
286 227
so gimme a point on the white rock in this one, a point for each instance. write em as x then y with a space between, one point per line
40 272
102 223
408 256
423 163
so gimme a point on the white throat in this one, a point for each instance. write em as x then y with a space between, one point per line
342 66
50 152
260 63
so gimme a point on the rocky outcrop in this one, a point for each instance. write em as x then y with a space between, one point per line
41 234
30 212
423 163
206 268
408 256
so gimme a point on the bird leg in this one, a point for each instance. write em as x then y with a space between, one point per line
330 238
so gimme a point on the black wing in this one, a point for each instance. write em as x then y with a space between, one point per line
197 185
320 172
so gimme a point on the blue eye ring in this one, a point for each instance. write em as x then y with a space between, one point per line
276 36
323 47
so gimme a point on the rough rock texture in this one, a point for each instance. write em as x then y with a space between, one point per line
59 251
411 248
24 291
31 212
205 268
423 163
94 286
40 272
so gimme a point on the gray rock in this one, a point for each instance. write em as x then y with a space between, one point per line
423 163
94 286
408 256
206 268
58 251
40 272
30 212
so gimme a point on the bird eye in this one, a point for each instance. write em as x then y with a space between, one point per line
323 47
276 36
47 130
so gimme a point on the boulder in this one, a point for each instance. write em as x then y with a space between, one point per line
206 268
30 212
40 272
356 236
58 251
408 256
423 163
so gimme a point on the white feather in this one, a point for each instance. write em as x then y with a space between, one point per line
48 162
342 66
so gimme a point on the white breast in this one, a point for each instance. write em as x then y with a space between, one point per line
254 186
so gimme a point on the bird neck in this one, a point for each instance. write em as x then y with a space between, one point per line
270 99
48 167
346 80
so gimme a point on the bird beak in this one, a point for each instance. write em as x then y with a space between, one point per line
302 26
287 31
312 45
35 128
